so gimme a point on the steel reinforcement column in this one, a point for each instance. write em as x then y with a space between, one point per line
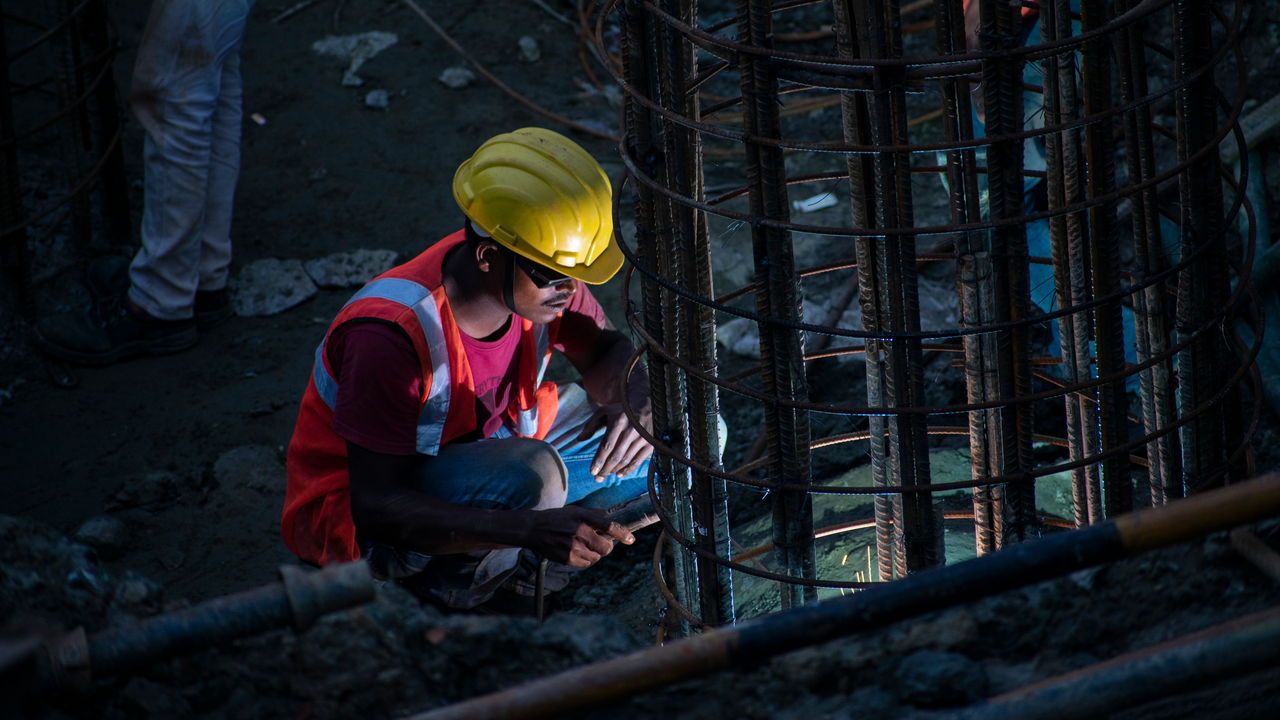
778 298
1000 30
642 140
707 503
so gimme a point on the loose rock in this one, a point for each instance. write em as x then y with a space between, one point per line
377 100
349 269
457 77
146 490
269 287
530 51
106 534
138 595
938 679
356 49
256 467
44 575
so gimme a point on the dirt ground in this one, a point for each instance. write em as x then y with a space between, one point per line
159 442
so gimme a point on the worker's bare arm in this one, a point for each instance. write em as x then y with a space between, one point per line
387 509
623 449
603 366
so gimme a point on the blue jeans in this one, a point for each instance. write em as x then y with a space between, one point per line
509 473
452 474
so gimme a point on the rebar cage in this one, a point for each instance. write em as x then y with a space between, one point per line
1044 179
62 181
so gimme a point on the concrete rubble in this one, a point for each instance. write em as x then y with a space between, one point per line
255 467
356 50
530 50
457 77
269 287
107 534
377 99
349 269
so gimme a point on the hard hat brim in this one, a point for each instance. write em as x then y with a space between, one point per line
599 272
605 266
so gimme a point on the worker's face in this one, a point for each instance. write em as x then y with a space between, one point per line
540 295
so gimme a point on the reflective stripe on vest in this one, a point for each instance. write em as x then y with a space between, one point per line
436 408
527 420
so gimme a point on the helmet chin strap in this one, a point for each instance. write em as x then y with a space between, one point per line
509 281
509 286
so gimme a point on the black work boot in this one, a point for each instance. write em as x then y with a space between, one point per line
108 277
112 331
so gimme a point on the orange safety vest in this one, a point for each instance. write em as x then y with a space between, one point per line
316 522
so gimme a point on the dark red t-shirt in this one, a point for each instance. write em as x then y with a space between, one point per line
380 379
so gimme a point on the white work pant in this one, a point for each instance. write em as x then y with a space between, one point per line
187 94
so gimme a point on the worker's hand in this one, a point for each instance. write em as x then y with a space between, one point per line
622 450
575 536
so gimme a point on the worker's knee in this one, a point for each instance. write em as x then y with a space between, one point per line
539 477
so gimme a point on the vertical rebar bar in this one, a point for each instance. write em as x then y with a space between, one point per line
708 509
1000 29
639 50
1104 261
78 141
917 543
1069 241
778 297
95 30
1151 332
965 207
1200 196
14 253
855 119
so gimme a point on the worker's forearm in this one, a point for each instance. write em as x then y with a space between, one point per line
410 520
602 379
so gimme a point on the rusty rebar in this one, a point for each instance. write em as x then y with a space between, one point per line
1104 142
1150 307
682 155
781 350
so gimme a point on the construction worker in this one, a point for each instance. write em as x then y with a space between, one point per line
187 94
428 441
1039 243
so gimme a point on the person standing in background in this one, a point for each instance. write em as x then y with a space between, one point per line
187 94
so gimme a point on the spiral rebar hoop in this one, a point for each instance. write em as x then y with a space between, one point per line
1047 173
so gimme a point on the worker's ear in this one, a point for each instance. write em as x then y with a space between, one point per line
487 256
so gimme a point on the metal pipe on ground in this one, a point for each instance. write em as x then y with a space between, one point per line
1164 670
299 600
927 591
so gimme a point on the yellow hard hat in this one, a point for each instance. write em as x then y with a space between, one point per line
541 195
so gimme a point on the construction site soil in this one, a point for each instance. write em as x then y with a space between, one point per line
176 463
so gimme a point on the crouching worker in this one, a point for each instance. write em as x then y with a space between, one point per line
427 440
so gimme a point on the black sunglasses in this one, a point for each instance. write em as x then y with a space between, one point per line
542 276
